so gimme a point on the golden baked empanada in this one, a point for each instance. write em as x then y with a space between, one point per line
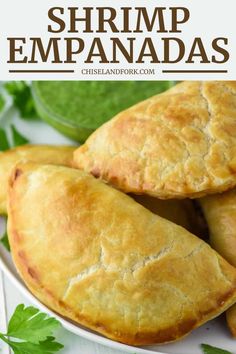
58 155
182 212
220 214
231 319
96 256
181 143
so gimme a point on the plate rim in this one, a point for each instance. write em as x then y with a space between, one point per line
86 334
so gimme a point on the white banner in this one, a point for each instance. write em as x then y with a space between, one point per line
117 40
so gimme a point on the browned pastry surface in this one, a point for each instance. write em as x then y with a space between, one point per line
231 319
181 143
181 212
220 213
58 155
96 256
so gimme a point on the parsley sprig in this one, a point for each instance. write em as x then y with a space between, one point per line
31 332
2 102
208 349
5 241
16 138
20 91
4 142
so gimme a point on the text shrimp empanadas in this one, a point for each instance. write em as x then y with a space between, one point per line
96 256
58 155
181 143
220 214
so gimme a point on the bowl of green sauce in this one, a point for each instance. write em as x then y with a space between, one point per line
77 108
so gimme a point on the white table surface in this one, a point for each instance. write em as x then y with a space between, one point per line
38 132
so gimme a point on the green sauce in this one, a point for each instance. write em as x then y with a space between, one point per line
77 108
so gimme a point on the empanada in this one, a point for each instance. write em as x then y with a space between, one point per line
181 143
231 319
182 212
96 256
58 155
220 214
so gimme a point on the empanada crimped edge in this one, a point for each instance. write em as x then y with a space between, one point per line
220 214
178 144
94 255
58 155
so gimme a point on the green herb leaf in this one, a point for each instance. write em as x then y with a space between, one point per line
2 102
22 98
4 144
5 241
208 349
17 137
49 346
29 324
33 332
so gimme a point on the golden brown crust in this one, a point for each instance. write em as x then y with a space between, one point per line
96 256
181 212
181 143
58 155
231 319
220 213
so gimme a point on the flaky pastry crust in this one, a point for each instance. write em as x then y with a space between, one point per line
58 155
96 256
181 143
220 214
182 212
231 319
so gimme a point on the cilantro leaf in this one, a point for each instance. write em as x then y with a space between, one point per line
4 144
5 241
208 349
29 324
22 98
17 137
32 330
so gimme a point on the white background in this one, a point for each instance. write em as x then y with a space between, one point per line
209 19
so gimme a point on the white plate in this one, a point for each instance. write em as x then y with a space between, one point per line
214 333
